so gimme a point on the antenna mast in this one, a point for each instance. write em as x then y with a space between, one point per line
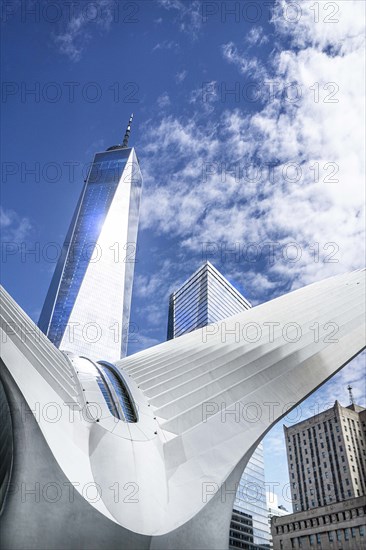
349 388
127 133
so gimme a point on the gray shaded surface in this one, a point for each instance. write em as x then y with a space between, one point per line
30 521
6 446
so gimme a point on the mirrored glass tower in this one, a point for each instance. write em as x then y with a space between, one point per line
87 306
208 297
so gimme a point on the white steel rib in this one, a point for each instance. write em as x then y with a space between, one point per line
204 399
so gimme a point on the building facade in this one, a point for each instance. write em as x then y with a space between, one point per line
327 467
87 307
274 510
327 457
251 501
341 525
208 297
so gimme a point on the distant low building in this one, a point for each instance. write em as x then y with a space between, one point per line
336 526
274 510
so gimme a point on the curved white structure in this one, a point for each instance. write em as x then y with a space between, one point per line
169 427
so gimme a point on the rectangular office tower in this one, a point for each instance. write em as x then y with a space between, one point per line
327 467
327 457
207 297
87 307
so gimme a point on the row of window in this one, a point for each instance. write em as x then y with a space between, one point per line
325 519
318 539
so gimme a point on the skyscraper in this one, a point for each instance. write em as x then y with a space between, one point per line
327 457
327 466
87 306
208 297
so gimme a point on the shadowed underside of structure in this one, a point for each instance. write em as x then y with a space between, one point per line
167 480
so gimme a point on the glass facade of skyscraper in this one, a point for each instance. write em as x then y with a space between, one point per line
207 297
251 500
88 303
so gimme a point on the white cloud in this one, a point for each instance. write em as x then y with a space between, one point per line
166 45
74 37
163 100
14 228
193 190
247 65
337 26
256 37
189 15
180 76
205 96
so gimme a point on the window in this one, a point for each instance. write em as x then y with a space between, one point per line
330 536
318 538
124 407
312 540
346 534
362 531
353 531
339 535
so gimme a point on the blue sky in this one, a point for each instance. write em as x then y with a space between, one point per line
248 130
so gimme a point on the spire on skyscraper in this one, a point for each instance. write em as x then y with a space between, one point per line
127 133
351 398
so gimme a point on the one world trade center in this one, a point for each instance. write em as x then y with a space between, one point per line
87 307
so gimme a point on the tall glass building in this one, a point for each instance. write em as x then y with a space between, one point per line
87 306
251 501
207 297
